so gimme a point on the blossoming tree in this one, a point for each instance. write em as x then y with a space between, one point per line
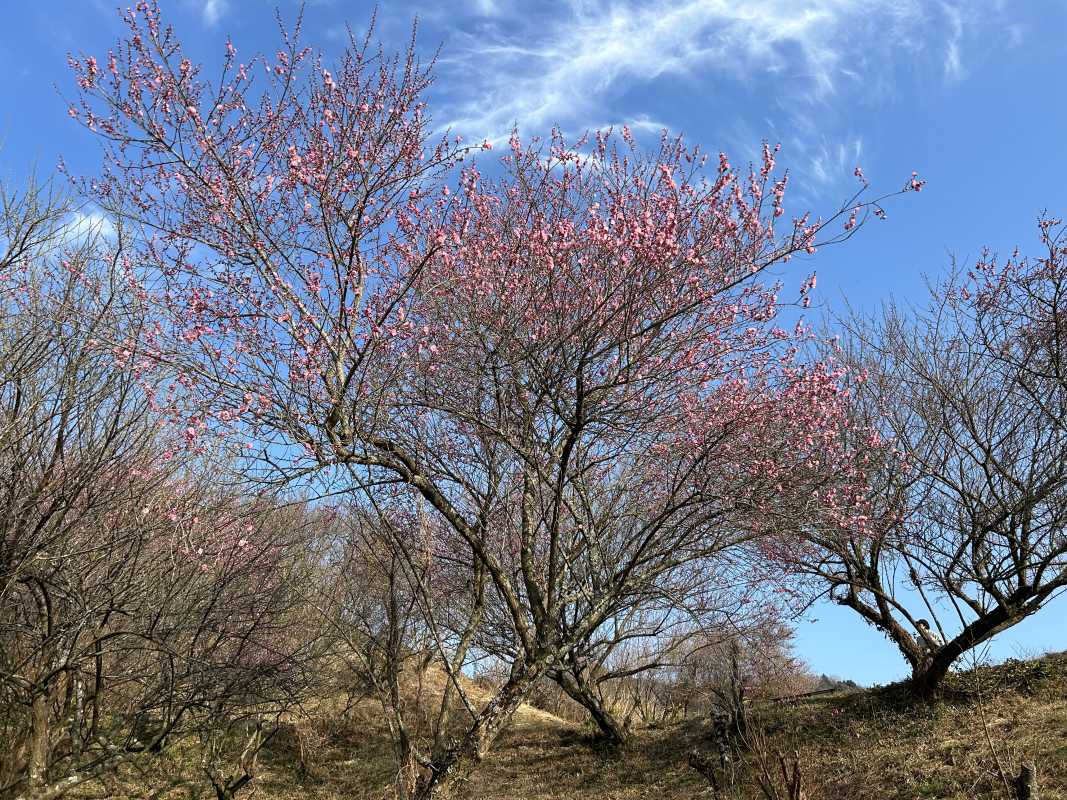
963 406
573 361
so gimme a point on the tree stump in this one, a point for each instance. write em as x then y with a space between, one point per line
1026 783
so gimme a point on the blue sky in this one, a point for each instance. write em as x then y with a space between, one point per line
968 93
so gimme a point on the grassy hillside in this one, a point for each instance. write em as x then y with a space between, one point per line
864 744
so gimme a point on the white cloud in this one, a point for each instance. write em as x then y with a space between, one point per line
485 8
830 161
1015 34
568 62
585 64
87 227
212 11
563 71
953 65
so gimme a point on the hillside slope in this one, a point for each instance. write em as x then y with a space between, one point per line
859 745
864 744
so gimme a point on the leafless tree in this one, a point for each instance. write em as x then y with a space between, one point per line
405 608
142 601
651 633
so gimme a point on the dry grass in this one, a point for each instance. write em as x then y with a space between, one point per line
882 744
867 744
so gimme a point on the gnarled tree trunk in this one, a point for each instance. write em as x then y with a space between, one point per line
578 688
476 742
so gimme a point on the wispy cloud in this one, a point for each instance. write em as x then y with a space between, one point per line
212 11
485 8
829 160
953 64
83 227
577 63
537 74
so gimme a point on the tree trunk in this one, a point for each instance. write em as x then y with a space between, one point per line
573 682
929 669
1026 783
38 757
926 678
476 742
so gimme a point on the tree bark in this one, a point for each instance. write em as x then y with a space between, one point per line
929 673
38 756
579 689
475 744
926 678
1026 783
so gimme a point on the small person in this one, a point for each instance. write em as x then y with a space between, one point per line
928 638
720 738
